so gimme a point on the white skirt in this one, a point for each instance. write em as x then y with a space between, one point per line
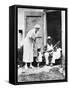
28 51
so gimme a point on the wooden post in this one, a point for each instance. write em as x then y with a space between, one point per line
63 35
45 28
21 22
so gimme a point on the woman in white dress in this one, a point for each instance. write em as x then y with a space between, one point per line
28 45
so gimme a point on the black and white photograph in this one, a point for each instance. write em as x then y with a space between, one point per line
38 48
34 44
41 44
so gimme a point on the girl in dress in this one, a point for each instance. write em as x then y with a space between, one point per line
39 56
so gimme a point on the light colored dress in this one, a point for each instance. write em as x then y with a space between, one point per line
40 57
56 55
28 46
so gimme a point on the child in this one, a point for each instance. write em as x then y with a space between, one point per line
56 54
39 56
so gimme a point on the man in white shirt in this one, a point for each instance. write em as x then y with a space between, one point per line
49 48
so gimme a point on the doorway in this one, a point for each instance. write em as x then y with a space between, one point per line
54 26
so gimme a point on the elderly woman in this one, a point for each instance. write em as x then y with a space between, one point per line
28 45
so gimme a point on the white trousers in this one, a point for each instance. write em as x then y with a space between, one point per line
46 57
54 57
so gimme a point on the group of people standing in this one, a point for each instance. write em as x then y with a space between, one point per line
50 52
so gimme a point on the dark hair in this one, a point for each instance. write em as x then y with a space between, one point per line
38 50
20 31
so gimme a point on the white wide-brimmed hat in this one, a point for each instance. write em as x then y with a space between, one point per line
37 26
49 37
